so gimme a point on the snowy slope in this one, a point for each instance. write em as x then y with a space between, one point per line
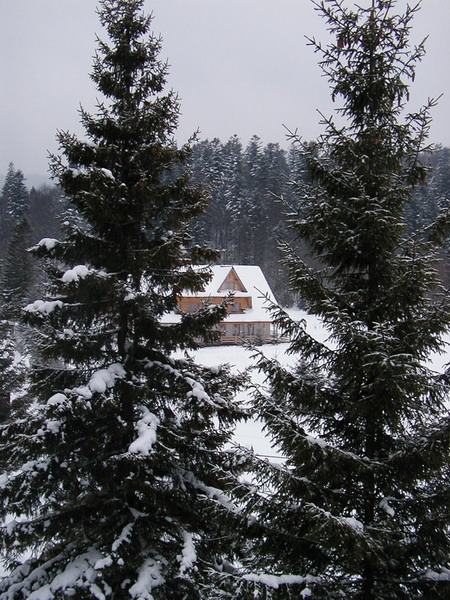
250 434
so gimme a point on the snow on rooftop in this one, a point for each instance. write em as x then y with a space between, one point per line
254 282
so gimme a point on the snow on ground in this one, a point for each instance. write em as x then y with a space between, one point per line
239 358
251 434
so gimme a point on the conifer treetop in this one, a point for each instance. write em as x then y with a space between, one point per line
360 503
128 71
115 476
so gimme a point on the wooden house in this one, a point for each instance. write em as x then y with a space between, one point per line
248 318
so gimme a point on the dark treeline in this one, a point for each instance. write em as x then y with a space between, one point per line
248 187
26 216
251 190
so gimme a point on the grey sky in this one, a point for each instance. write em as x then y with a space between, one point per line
240 67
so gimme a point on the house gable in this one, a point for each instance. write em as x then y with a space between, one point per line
232 283
247 316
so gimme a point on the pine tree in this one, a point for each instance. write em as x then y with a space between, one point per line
217 166
15 193
47 206
242 218
17 280
14 204
114 473
274 179
232 197
360 507
252 226
7 371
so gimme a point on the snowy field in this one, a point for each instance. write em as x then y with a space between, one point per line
250 434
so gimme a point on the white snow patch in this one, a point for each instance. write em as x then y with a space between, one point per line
316 441
75 172
384 504
444 575
40 465
275 581
10 526
104 378
82 391
78 272
108 174
53 426
146 428
198 391
123 537
56 399
353 523
45 307
137 514
102 563
188 554
79 573
149 577
212 493
48 243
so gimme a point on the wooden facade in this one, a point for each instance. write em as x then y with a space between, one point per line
247 318
231 284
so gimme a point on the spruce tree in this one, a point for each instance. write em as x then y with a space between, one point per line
14 203
359 508
15 193
113 479
18 272
8 373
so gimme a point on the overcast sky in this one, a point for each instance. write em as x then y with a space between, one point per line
240 67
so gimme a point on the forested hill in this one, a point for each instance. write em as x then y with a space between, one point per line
251 189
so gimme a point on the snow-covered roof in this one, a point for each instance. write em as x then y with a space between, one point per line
255 284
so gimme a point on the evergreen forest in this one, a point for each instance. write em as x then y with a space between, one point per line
120 475
250 193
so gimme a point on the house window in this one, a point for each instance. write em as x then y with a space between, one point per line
236 307
193 307
228 285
